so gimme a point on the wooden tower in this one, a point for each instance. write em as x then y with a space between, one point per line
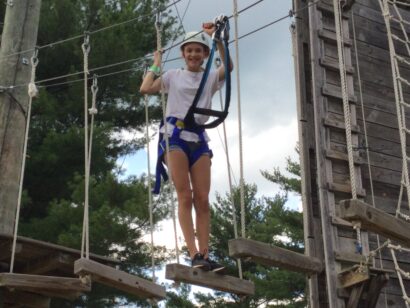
329 232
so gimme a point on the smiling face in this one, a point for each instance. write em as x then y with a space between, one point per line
194 55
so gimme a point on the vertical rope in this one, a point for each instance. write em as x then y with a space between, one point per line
32 92
92 111
345 97
85 246
228 165
158 27
241 176
150 207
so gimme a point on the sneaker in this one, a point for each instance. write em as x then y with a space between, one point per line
199 262
216 267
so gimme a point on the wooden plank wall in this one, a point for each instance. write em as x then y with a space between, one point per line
323 143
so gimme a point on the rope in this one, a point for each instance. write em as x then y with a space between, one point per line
32 93
400 273
85 245
228 165
241 176
150 207
143 58
345 97
158 27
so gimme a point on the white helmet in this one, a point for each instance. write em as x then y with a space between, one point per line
195 37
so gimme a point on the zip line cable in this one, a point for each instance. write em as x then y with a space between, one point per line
148 56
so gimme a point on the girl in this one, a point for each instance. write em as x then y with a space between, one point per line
189 156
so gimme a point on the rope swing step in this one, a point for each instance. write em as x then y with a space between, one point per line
209 279
270 255
87 269
117 279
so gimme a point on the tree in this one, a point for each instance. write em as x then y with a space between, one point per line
267 220
54 182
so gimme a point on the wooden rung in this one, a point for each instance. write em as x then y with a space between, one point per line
336 92
274 256
187 274
345 188
330 36
120 280
375 220
48 285
353 275
334 65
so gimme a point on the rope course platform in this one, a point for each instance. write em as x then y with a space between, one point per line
375 220
274 256
225 283
120 280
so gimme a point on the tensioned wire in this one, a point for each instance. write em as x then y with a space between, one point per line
140 66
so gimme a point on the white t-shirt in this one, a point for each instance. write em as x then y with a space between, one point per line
181 86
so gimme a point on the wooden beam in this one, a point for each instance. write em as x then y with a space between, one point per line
376 285
118 279
353 276
25 299
5 250
375 220
58 261
48 285
187 274
274 256
355 295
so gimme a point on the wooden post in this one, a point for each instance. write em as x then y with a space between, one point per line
19 34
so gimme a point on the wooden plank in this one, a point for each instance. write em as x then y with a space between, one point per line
187 274
118 279
25 299
274 256
54 286
375 220
352 276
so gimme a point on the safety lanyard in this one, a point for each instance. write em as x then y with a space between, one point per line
221 32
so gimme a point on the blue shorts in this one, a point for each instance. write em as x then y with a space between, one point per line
193 150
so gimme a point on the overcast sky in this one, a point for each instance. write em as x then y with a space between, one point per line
267 92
